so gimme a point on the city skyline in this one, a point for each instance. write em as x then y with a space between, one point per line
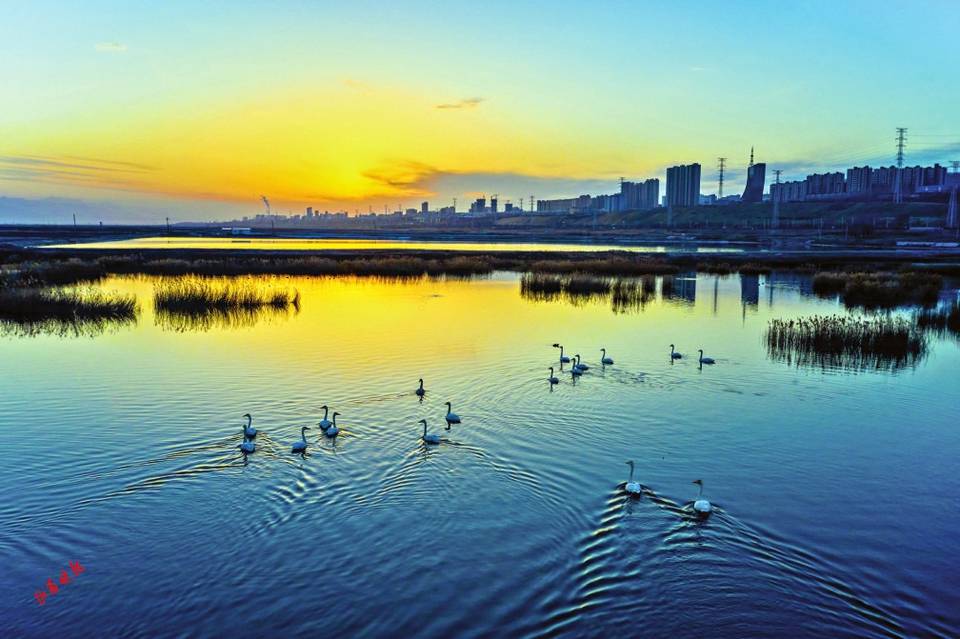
356 108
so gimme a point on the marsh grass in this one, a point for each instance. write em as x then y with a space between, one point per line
846 342
196 295
940 320
880 289
34 311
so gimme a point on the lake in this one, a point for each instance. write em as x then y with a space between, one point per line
350 244
835 488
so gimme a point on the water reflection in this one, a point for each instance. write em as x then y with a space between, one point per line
65 328
220 318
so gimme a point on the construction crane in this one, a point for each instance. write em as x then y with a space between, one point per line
266 202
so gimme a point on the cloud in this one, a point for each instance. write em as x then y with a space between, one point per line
110 47
465 103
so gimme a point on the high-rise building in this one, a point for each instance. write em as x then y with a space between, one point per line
493 205
424 207
860 180
649 194
823 185
309 211
683 185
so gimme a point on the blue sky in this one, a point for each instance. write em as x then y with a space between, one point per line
335 104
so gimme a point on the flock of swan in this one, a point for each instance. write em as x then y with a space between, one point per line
329 428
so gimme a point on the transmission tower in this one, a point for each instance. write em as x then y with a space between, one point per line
531 203
898 187
955 165
721 165
775 222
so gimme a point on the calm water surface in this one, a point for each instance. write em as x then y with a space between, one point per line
835 490
321 244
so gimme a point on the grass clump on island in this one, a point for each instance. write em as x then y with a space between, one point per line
846 342
32 311
195 295
940 320
880 289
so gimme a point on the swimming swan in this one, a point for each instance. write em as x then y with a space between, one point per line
432 438
420 390
249 431
334 430
582 367
605 360
702 506
452 418
552 379
325 423
674 354
247 447
632 487
563 358
705 360
300 446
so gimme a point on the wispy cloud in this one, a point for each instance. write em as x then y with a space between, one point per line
465 103
71 170
110 47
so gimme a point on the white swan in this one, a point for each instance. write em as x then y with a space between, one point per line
552 379
705 360
701 505
300 446
325 423
334 430
452 418
420 390
432 438
633 487
563 358
674 354
605 360
249 431
247 447
582 367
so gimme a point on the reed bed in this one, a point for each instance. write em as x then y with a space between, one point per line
940 320
846 342
197 296
609 266
34 311
880 289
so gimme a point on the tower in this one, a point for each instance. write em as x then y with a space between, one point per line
898 184
721 165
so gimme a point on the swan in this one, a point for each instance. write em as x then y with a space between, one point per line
576 372
334 430
432 438
325 423
674 354
452 418
552 379
701 506
605 359
582 367
563 358
420 390
301 446
705 360
247 447
632 487
249 431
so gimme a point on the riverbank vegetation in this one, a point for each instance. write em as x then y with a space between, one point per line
846 342
880 289
30 310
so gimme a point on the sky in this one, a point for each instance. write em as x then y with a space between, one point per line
135 111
